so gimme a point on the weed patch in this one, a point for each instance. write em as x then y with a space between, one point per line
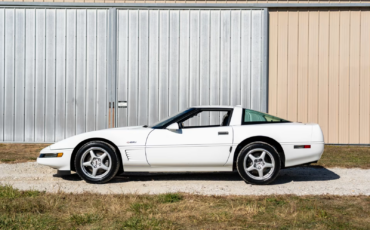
83 219
8 191
142 223
7 160
169 198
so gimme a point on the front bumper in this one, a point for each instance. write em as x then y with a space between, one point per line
60 163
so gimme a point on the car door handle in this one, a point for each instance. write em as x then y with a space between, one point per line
223 133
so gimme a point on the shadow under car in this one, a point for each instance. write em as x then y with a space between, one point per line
307 173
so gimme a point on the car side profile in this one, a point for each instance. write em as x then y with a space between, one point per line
198 139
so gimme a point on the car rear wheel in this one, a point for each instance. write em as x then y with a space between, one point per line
97 162
258 163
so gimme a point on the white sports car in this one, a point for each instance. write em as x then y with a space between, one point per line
199 139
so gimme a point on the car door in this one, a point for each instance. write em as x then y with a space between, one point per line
189 147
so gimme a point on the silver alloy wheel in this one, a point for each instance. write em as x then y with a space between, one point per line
259 164
96 162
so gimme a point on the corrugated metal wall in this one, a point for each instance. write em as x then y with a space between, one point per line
169 60
52 73
57 66
320 71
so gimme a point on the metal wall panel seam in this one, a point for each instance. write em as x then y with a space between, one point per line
250 60
297 64
65 73
209 60
148 86
55 69
3 80
85 94
117 70
188 80
265 64
349 82
14 39
199 63
168 60
178 62
128 64
107 70
308 64
240 56
230 66
96 68
113 61
24 78
50 50
137 66
39 76
75 77
219 63
34 88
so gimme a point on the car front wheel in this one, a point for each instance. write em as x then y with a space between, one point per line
258 163
97 162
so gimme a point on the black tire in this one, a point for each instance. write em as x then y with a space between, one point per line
258 165
110 161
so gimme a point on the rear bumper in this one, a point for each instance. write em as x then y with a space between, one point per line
302 156
60 163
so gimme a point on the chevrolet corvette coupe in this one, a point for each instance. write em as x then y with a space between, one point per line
198 139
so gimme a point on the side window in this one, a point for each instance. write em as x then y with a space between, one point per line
208 119
251 116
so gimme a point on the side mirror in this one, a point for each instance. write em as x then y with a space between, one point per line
173 127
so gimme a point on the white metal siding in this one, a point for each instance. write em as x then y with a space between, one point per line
170 59
59 68
51 84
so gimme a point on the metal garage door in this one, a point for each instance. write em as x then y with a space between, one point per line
52 73
60 69
171 59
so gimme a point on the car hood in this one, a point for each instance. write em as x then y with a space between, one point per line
123 136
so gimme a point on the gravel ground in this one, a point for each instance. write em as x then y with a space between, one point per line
299 181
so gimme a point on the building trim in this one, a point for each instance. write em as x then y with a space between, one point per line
181 5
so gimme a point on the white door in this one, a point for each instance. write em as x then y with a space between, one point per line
191 146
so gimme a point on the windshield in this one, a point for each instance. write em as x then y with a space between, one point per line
169 120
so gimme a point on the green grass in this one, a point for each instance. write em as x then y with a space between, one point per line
169 198
38 210
7 191
345 156
7 160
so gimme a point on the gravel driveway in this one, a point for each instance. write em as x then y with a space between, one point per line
299 181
